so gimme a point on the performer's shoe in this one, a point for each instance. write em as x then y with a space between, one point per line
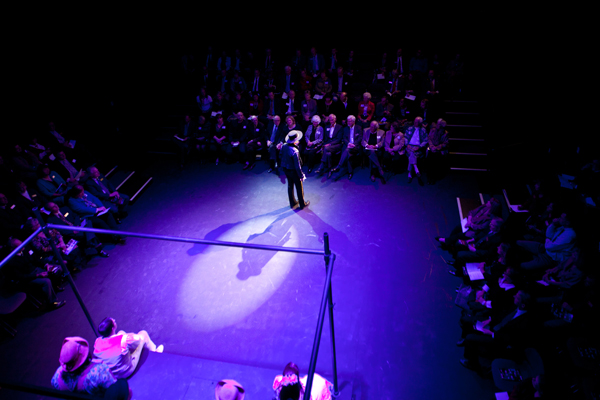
306 204
246 166
104 254
294 206
56 305
252 166
269 170
335 169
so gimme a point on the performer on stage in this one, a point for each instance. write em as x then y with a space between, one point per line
292 167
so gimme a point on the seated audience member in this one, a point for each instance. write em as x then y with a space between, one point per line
25 163
77 373
289 385
323 84
28 199
218 142
200 142
292 106
256 105
308 107
51 185
40 151
58 138
204 102
43 248
220 105
326 107
256 141
30 275
395 148
228 389
384 112
345 108
587 181
582 302
351 144
68 169
288 81
529 389
537 203
478 249
496 297
271 108
275 134
332 143
416 143
561 278
88 206
120 350
366 110
425 113
65 216
373 139
341 82
494 334
559 245
238 129
314 141
402 110
11 219
478 220
102 189
184 138
438 150
239 104
306 81
257 86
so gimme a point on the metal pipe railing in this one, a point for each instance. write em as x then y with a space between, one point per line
20 247
44 391
315 350
331 328
190 240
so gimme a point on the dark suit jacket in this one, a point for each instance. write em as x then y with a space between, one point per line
293 84
257 133
335 137
324 109
238 131
278 134
96 190
514 332
358 135
191 131
320 64
276 107
344 111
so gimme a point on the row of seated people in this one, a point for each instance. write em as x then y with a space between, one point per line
303 106
539 283
399 145
335 74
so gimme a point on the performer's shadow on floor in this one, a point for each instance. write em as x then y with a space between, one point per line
254 260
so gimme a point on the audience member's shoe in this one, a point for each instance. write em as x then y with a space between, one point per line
104 254
440 239
59 289
317 172
252 166
306 204
310 170
246 166
452 272
461 343
420 181
350 176
217 162
450 263
160 348
382 180
468 364
410 178
372 178
269 170
56 305
335 169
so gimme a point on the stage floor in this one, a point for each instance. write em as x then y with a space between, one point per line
395 320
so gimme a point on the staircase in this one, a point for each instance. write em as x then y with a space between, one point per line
468 148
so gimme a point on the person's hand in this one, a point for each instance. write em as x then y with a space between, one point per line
113 194
42 275
486 322
258 143
463 242
472 247
350 145
269 143
279 146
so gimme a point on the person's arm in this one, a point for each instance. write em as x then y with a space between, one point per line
297 165
563 241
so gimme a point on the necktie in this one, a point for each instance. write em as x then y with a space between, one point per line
63 219
505 321
104 188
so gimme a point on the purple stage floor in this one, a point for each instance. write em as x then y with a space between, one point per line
395 320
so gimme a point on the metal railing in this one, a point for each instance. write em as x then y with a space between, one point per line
326 299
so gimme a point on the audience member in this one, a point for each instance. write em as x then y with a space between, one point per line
289 385
314 142
51 185
228 389
351 146
372 142
437 151
416 143
332 143
119 350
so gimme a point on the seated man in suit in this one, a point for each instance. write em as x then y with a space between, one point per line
88 206
69 168
494 335
27 199
101 188
256 141
373 142
332 143
351 145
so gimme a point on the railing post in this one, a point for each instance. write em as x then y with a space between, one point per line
331 326
67 273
